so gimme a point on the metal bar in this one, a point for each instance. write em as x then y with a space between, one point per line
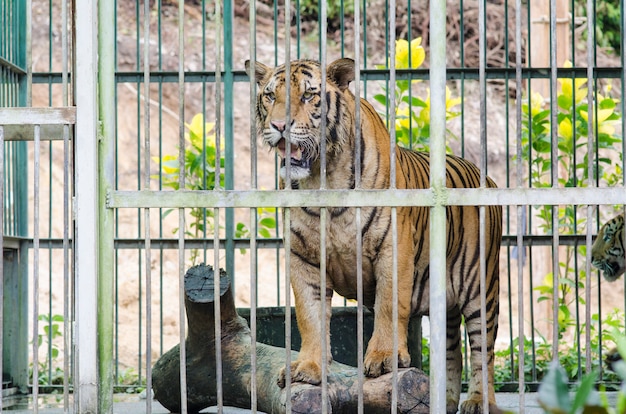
162 243
216 261
482 62
253 214
366 198
146 186
86 379
181 210
24 132
39 116
392 186
591 182
555 177
438 211
106 182
2 259
358 219
36 197
520 209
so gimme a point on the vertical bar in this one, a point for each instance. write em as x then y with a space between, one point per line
253 212
181 211
358 219
438 212
2 258
86 229
66 211
392 185
591 182
323 213
148 243
106 183
216 236
520 208
482 61
555 177
229 162
287 223
37 169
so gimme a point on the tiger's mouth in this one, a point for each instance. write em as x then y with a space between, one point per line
296 155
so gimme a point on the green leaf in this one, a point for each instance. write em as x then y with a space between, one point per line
553 394
268 222
380 98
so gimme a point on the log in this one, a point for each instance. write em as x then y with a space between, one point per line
413 384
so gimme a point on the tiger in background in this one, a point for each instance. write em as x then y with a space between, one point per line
607 252
412 172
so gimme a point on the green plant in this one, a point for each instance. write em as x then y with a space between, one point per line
200 174
49 372
572 162
412 112
608 21
555 396
310 9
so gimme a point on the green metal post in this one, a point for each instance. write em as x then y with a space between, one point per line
229 133
106 167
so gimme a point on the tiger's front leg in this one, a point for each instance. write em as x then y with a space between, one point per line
305 282
379 356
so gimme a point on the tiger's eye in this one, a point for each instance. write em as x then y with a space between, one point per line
306 96
271 96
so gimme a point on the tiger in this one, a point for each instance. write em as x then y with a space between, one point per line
607 252
412 172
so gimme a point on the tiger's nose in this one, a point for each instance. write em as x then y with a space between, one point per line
279 125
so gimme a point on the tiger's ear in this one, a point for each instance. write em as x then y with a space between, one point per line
341 72
260 71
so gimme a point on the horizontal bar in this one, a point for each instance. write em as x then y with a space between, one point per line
26 132
38 116
12 66
366 74
365 198
270 243
271 198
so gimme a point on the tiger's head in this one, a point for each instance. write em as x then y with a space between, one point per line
303 134
607 252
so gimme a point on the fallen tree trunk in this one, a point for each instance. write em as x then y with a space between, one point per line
413 392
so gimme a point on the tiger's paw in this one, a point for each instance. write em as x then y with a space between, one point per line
475 406
301 371
379 362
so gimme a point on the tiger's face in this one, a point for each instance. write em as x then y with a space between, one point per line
299 143
607 252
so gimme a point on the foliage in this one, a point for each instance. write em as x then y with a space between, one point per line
49 372
572 162
310 9
555 396
200 174
608 22
412 112
538 355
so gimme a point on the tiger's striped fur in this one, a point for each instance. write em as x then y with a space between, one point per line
463 268
607 252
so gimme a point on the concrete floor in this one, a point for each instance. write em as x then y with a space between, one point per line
134 404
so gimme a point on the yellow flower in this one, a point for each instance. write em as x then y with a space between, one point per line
565 128
450 102
536 103
196 129
402 53
604 126
165 165
403 116
571 86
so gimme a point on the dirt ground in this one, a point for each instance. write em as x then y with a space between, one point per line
200 54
